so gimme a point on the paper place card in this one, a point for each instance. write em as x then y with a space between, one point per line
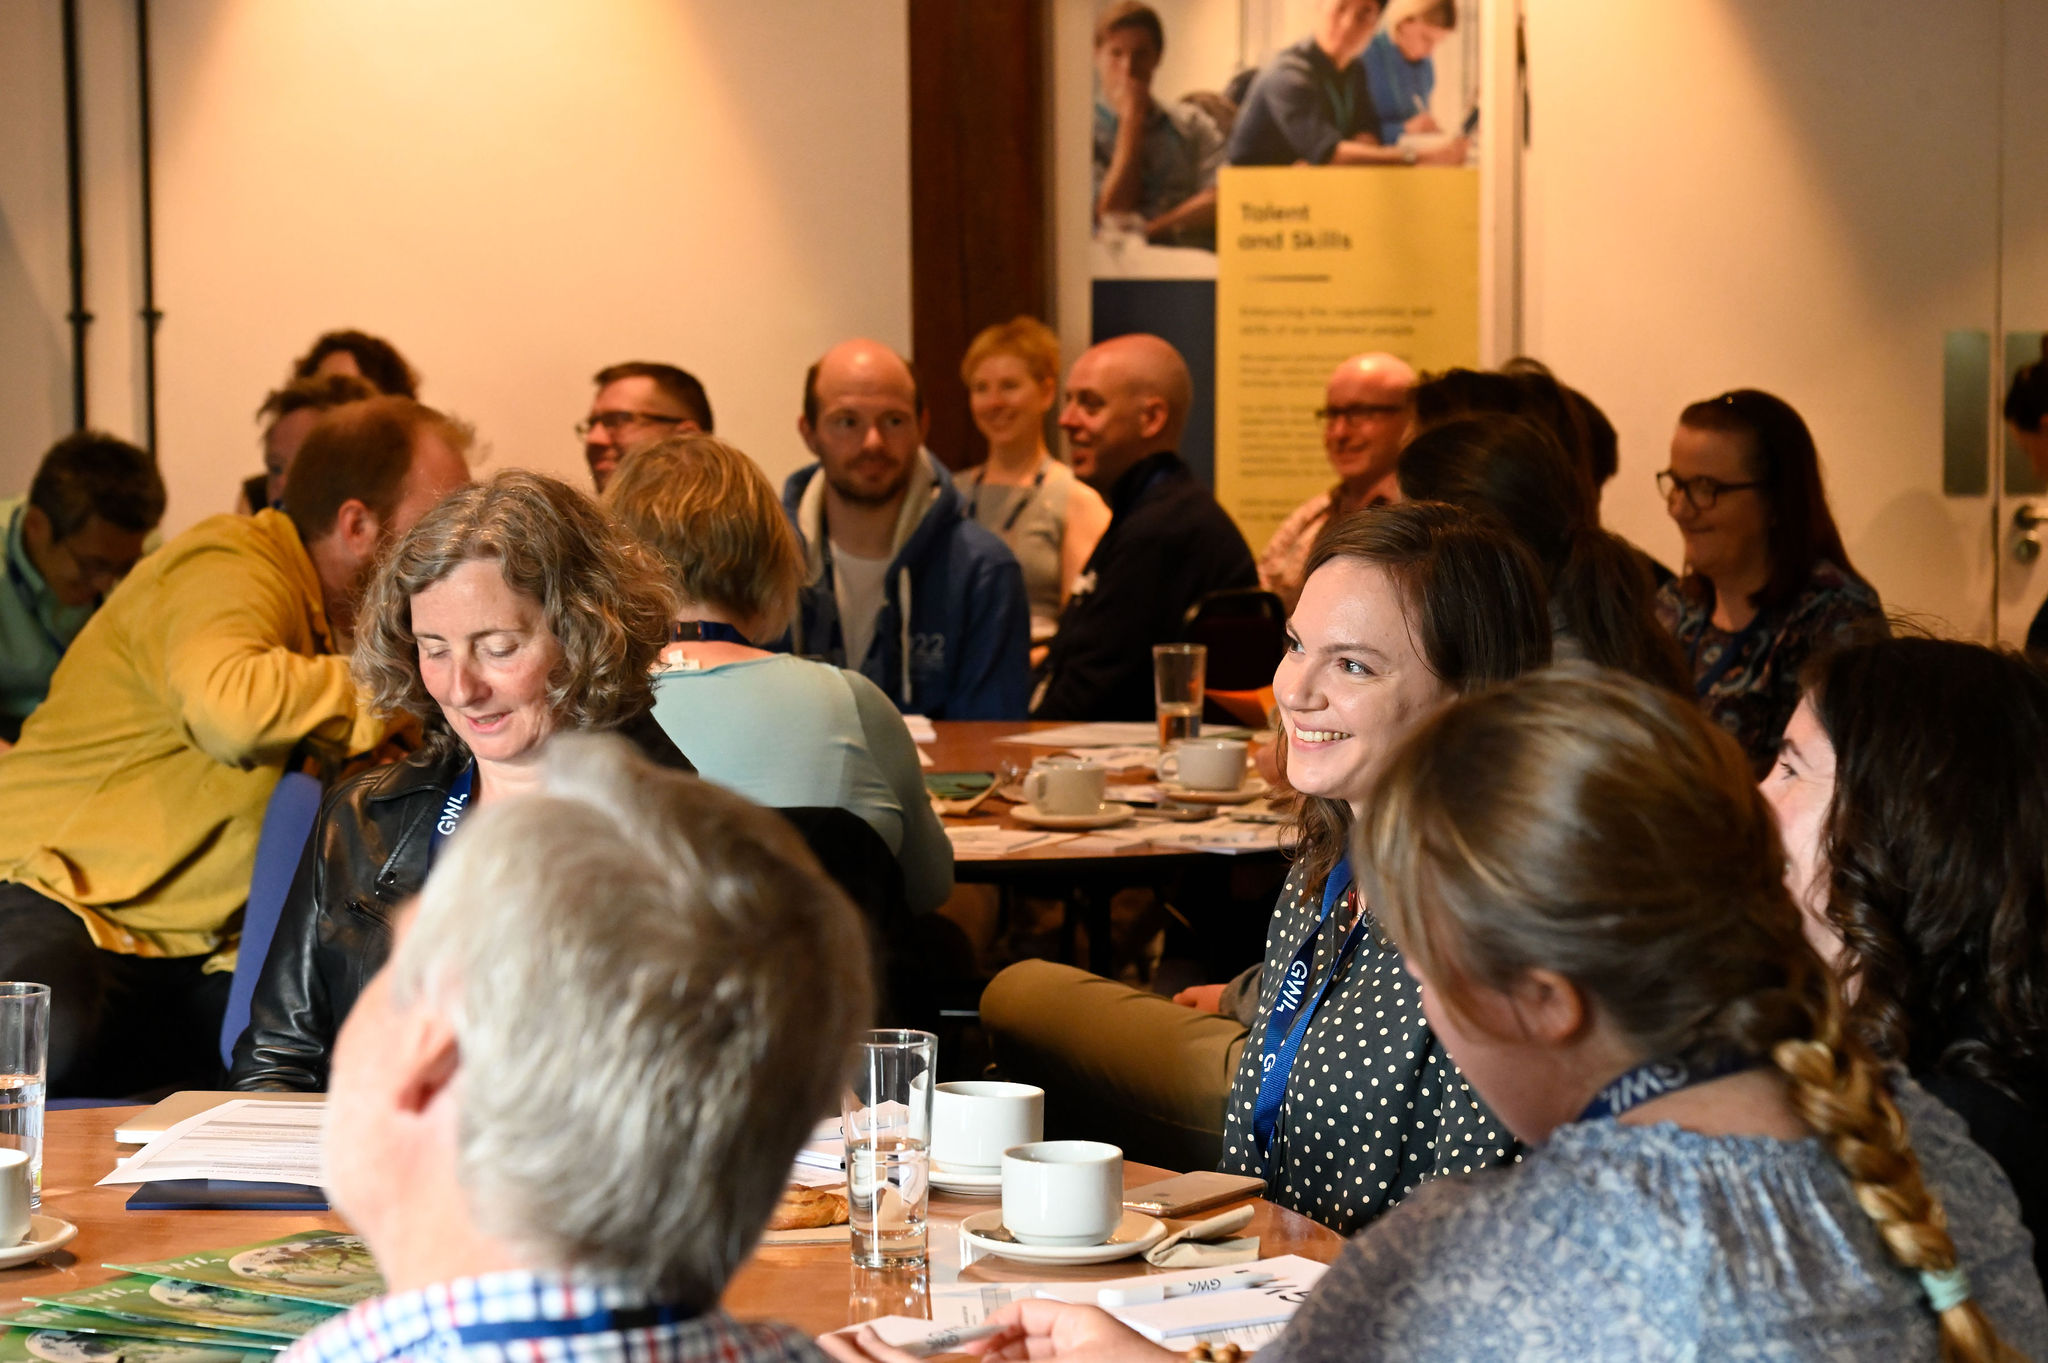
1098 734
989 840
244 1140
1247 1317
1141 757
1224 835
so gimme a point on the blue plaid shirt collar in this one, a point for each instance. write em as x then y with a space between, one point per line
525 1317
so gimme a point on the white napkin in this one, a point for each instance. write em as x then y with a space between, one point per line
1202 1245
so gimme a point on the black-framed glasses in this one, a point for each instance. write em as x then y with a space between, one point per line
614 422
1359 411
1702 491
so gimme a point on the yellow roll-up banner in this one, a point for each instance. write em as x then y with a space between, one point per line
1315 263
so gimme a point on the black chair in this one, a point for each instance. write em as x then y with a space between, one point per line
923 965
1245 631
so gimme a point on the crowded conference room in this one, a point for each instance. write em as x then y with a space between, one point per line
1057 681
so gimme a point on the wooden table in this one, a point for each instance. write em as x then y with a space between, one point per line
1088 879
812 1286
974 745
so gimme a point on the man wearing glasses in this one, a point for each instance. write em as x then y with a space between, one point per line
1365 414
638 403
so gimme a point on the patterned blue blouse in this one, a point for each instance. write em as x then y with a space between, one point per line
1748 681
1626 1244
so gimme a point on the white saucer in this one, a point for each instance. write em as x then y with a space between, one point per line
1251 790
1112 812
966 1182
45 1233
1135 1234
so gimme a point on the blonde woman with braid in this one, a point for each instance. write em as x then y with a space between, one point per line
1579 873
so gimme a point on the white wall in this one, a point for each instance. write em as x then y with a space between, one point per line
35 338
1801 198
516 193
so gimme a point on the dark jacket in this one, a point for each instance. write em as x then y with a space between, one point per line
954 605
1168 545
367 856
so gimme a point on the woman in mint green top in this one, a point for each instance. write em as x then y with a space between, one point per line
780 730
786 731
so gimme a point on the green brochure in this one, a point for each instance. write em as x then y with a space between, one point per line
66 1346
84 1322
171 1302
323 1267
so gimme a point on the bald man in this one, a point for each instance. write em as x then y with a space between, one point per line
1168 543
903 586
1366 412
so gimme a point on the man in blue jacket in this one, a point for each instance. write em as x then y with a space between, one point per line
903 586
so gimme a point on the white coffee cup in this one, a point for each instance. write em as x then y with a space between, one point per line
975 1120
14 1197
1066 785
1063 1192
1206 763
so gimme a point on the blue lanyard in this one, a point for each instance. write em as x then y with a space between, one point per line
1289 1019
707 632
1655 1078
603 1321
1010 522
450 817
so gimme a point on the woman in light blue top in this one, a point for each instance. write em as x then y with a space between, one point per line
780 730
1591 893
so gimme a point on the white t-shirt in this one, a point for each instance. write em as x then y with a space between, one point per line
857 583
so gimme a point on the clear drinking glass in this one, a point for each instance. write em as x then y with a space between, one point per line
1177 674
24 1067
886 1117
878 1292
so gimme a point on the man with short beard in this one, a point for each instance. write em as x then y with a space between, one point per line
130 810
903 586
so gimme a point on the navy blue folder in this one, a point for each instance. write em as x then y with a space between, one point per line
219 1194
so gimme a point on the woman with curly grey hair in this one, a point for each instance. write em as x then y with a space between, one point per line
512 611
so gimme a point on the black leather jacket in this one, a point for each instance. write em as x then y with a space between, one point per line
367 856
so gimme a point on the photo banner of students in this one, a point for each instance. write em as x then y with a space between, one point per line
1185 91
1315 265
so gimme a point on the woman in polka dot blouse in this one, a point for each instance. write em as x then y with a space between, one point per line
1344 1100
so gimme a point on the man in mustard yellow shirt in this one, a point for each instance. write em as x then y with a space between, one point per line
129 811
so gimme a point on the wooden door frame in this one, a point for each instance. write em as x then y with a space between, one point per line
979 176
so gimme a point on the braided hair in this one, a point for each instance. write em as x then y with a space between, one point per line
1580 821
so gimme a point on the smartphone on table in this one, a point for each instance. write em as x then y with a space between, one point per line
1176 1197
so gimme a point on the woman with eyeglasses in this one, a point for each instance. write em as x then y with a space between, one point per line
1766 578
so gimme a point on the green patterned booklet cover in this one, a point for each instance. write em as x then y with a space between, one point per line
323 1267
172 1302
84 1322
65 1346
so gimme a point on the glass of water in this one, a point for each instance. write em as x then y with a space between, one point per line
24 1065
886 1118
1178 671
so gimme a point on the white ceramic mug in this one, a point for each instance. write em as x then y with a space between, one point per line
1063 1192
14 1197
1066 785
1206 763
975 1120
